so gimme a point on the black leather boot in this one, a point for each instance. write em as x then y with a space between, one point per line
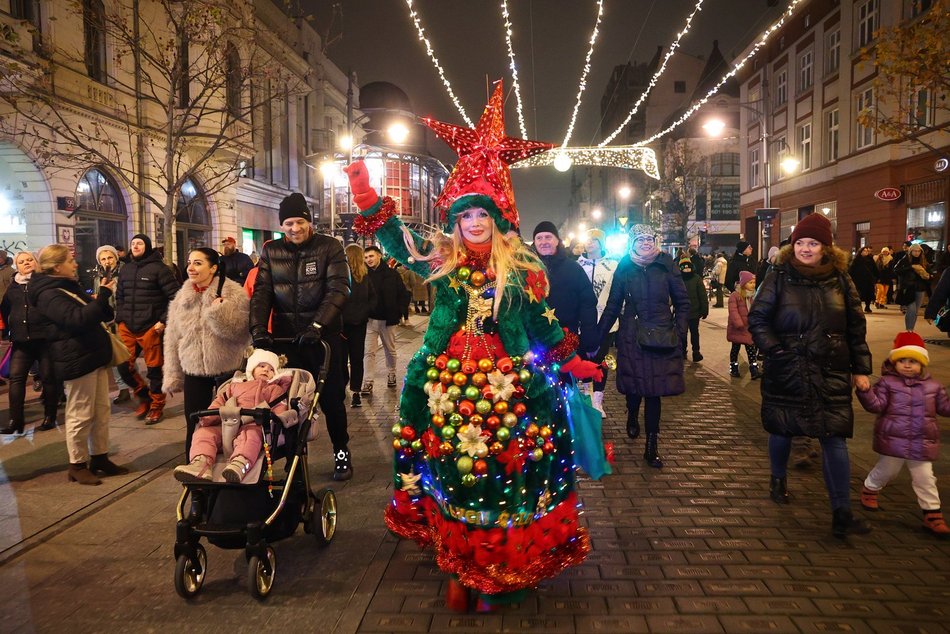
734 370
633 424
778 490
843 523
100 464
754 371
649 453
15 429
49 422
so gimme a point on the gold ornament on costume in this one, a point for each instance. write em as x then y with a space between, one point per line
409 482
549 315
610 362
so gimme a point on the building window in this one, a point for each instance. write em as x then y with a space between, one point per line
868 21
184 73
864 136
94 36
724 164
833 51
805 71
234 79
920 6
100 219
781 87
753 168
921 112
804 146
779 153
679 86
755 95
192 220
832 135
787 223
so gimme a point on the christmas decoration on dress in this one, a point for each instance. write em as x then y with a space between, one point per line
484 156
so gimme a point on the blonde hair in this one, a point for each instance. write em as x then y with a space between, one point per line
17 257
354 257
52 256
509 256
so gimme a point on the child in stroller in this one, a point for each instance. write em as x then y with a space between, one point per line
262 386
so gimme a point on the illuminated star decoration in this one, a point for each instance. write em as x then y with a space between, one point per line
484 156
549 315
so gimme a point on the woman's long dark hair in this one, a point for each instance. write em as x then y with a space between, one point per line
214 259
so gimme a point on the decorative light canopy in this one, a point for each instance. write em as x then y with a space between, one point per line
624 157
582 85
514 69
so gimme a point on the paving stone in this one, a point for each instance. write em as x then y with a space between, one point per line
611 623
758 624
395 622
905 627
711 605
823 624
695 624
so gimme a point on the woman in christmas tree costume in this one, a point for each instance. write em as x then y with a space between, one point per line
483 463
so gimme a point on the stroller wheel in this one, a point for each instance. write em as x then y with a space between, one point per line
322 521
190 575
259 581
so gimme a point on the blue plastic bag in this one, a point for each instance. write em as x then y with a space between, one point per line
5 363
586 436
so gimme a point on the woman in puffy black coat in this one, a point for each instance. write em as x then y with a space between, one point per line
863 273
647 292
807 319
28 330
913 282
81 354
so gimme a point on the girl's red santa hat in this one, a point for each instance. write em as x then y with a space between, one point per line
909 345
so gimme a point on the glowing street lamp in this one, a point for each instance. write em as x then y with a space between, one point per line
714 127
790 164
596 214
562 162
625 192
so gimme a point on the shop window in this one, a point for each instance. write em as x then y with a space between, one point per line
100 219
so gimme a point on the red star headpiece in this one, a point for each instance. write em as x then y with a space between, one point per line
484 156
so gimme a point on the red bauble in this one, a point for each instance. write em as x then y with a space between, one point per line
487 394
480 468
466 408
505 364
519 391
493 422
408 433
548 447
520 409
469 366
441 361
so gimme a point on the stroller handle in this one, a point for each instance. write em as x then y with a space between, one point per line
325 366
261 415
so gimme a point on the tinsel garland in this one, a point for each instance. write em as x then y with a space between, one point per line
368 225
493 560
564 349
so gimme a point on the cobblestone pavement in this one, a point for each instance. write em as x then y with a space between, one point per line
694 547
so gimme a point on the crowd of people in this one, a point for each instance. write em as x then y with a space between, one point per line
482 438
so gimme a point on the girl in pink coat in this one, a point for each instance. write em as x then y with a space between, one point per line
259 389
737 330
907 401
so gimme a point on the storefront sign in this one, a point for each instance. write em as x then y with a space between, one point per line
941 164
888 193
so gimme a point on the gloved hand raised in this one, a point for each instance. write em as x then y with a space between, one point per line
310 337
580 369
363 195
263 340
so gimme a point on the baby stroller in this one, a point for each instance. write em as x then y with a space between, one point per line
265 507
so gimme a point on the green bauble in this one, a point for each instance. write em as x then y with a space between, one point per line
455 419
416 445
463 273
472 393
482 406
516 360
397 430
430 360
448 432
469 479
453 365
454 392
502 434
432 374
464 465
524 376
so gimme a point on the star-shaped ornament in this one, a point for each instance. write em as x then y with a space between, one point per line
409 482
549 315
484 156
454 283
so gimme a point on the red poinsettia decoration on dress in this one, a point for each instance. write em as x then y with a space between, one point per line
432 443
537 288
513 457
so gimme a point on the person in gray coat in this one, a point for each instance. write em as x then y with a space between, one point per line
649 297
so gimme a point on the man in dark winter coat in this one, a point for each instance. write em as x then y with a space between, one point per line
391 298
303 282
572 293
146 286
236 264
741 261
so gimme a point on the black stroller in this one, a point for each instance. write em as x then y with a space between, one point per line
264 508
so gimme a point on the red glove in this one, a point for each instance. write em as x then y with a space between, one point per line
363 195
581 369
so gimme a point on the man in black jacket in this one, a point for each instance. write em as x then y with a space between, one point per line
741 261
145 288
302 283
391 296
236 264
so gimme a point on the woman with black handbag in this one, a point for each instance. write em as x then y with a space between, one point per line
913 280
649 297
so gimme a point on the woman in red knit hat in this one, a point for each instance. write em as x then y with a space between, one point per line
808 321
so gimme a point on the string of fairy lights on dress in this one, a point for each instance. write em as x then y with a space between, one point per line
514 70
435 61
735 69
582 85
656 76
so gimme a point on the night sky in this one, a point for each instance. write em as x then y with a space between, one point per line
378 41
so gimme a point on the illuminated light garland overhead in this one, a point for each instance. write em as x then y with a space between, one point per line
435 62
656 75
623 157
712 91
514 69
582 85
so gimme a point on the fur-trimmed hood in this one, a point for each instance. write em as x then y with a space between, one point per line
837 257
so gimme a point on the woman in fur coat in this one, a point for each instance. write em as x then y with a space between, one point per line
206 333
807 320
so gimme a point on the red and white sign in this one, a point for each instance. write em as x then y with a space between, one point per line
888 193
